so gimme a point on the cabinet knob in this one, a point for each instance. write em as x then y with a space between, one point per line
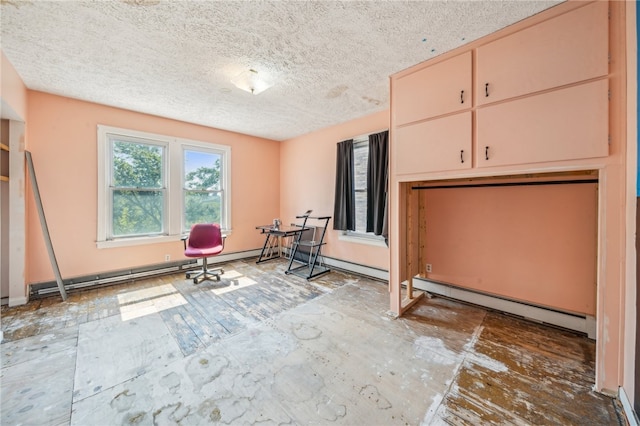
486 90
461 156
486 152
462 96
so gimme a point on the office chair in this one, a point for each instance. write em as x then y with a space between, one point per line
205 239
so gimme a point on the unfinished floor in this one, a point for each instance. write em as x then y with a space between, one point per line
263 347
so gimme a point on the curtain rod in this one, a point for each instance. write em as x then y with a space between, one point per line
479 185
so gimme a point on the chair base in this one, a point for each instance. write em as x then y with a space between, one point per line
205 273
202 275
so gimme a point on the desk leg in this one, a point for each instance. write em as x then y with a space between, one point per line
262 256
270 249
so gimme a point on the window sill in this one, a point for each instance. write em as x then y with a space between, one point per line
366 240
139 241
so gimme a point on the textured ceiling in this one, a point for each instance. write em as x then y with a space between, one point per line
329 60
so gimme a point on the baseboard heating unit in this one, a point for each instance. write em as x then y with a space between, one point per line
582 323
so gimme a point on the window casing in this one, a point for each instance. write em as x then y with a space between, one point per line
152 188
202 186
360 164
136 201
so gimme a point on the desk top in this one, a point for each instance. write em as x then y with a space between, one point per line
282 230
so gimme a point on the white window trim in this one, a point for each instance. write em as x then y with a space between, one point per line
367 238
175 167
225 176
360 238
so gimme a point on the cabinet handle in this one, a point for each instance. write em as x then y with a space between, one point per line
461 157
462 96
486 152
486 90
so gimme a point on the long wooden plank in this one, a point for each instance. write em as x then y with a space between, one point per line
45 228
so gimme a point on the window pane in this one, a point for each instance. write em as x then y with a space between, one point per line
361 211
137 212
360 158
201 207
201 170
137 165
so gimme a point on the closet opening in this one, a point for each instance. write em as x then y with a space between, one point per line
523 244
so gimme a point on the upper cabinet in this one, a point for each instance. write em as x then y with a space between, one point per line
540 95
432 91
570 48
565 124
434 145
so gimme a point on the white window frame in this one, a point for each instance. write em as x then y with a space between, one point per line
174 178
368 238
225 178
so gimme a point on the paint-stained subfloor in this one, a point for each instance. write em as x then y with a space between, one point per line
264 347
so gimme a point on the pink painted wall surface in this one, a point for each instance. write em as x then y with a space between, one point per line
13 92
307 181
537 244
63 142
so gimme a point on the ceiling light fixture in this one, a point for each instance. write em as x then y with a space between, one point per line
251 82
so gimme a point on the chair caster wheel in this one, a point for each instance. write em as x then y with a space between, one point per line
195 281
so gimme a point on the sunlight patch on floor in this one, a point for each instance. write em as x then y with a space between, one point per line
145 294
136 304
237 281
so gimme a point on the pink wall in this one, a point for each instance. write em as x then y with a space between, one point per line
307 179
63 142
532 243
13 92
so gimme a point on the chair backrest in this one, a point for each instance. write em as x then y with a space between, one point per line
204 235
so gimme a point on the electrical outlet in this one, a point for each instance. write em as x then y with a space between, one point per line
428 267
167 257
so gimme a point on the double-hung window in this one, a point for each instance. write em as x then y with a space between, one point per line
360 162
360 166
152 188
202 186
137 187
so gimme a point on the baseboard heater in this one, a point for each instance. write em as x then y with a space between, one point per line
113 277
582 323
44 289
108 278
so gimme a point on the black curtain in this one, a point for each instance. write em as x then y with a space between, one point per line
344 208
377 184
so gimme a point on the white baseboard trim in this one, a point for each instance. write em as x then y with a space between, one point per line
227 257
356 268
632 419
17 301
584 324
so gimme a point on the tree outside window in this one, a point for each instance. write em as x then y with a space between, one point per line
137 189
202 188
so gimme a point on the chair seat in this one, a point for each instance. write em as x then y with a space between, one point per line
200 252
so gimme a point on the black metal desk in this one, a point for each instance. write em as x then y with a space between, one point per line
272 244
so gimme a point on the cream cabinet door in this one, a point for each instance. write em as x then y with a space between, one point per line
567 49
565 124
436 90
434 145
